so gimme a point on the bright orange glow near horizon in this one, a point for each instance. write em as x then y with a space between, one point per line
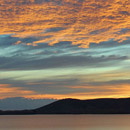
116 91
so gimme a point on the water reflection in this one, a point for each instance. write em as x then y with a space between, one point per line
65 122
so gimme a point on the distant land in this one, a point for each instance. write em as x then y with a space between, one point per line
75 106
21 103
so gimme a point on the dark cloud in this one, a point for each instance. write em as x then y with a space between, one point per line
62 55
17 63
7 40
55 29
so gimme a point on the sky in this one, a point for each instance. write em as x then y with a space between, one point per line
55 49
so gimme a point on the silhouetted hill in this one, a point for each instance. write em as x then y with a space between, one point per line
75 106
97 106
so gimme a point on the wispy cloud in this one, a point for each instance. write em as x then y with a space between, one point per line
90 92
7 90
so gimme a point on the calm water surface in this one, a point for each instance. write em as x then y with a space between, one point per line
65 122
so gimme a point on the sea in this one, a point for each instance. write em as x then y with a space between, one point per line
65 122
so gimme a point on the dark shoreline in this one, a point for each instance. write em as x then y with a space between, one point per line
78 107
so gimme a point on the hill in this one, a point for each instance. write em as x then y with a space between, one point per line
97 106
75 106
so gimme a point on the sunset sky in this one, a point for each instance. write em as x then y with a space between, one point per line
64 49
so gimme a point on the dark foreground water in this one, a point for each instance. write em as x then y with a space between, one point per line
65 122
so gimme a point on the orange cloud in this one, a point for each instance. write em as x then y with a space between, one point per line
102 91
6 90
106 91
82 22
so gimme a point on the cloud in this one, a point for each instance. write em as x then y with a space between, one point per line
16 63
74 85
81 21
90 92
6 90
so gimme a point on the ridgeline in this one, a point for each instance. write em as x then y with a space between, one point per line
75 106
